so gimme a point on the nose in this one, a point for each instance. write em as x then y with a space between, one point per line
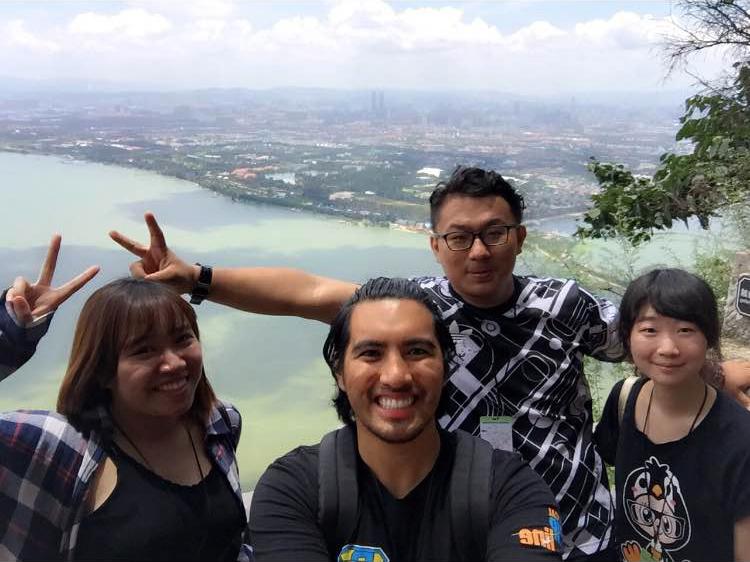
668 346
395 371
171 361
478 250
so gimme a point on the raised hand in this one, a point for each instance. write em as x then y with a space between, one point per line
156 261
30 301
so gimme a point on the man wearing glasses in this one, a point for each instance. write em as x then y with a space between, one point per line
518 376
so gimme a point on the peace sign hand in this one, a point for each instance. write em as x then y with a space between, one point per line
30 301
157 262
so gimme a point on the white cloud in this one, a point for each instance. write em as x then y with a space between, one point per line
625 30
354 43
535 34
131 23
16 35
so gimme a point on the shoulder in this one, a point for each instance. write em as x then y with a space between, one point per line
555 287
289 484
298 464
44 452
40 428
432 284
226 415
732 416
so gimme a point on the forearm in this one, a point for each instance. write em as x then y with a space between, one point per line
17 344
279 291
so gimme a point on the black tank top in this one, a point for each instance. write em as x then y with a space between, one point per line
149 518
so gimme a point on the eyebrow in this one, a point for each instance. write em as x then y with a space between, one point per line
146 336
379 344
452 227
647 317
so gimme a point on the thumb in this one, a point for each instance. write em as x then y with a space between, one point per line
167 276
21 310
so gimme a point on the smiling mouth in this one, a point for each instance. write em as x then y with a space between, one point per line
390 403
175 384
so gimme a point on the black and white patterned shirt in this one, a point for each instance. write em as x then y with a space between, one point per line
524 361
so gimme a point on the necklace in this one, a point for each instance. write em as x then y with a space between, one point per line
658 527
201 483
132 444
695 419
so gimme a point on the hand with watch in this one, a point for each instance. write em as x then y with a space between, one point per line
157 262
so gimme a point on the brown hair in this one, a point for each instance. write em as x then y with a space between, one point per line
114 315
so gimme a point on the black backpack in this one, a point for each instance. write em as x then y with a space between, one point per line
338 498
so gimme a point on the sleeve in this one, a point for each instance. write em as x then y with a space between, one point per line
283 514
607 431
525 524
18 343
600 339
736 480
741 495
37 472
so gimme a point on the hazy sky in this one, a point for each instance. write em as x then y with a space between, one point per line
524 46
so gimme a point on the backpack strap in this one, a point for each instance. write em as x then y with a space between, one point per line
470 495
338 498
622 399
232 419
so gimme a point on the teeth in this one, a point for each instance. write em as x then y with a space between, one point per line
394 403
172 385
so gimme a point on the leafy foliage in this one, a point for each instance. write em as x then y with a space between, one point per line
715 175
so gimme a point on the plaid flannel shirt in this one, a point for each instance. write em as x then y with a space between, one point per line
46 469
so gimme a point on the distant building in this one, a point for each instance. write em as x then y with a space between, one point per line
341 195
434 172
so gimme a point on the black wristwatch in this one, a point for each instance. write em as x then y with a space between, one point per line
203 286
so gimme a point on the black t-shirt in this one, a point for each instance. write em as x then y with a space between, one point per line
149 518
284 526
681 498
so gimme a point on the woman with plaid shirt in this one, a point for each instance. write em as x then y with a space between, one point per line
138 462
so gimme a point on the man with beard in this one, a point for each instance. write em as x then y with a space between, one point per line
388 351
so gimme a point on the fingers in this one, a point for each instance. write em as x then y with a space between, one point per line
130 245
743 399
137 270
21 310
20 288
157 236
50 262
16 296
62 293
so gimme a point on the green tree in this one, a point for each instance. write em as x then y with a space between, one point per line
715 175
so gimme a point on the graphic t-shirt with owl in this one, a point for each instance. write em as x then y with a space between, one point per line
678 501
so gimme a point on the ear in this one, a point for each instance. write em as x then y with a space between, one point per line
340 382
520 237
434 246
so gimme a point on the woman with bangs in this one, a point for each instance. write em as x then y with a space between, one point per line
138 462
680 448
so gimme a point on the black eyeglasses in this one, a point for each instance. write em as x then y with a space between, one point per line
493 235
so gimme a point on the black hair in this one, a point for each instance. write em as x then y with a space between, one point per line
475 182
674 293
380 288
